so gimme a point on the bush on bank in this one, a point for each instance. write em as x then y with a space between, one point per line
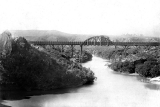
148 69
30 69
127 67
144 62
145 68
86 57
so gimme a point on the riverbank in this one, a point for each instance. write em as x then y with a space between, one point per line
145 62
29 68
127 90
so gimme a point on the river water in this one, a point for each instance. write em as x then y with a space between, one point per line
109 90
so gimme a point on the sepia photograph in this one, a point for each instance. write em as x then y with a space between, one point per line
79 53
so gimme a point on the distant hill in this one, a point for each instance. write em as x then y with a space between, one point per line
48 35
54 35
135 38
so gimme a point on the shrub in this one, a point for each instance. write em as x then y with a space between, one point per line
128 67
155 71
139 62
140 70
86 57
147 69
116 66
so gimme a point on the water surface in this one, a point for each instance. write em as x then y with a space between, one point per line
110 90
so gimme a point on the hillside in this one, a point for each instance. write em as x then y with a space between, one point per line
29 68
48 35
134 38
54 35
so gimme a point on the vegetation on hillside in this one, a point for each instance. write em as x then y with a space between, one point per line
144 67
142 60
29 68
77 57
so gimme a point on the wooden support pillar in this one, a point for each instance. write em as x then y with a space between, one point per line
140 48
80 58
81 49
72 50
62 48
100 41
59 48
125 49
53 47
156 52
115 46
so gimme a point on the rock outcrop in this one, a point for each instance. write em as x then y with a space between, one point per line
5 43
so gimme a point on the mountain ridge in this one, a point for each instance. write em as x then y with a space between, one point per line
48 35
54 35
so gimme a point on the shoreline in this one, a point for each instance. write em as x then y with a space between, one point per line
154 80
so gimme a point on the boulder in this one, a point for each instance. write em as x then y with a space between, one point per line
5 43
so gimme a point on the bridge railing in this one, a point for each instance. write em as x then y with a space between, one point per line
136 43
68 43
95 43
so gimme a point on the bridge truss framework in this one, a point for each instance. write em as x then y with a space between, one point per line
93 41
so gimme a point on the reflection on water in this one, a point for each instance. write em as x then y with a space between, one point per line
18 95
153 86
110 90
143 79
149 85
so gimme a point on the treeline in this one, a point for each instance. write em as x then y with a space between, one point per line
142 60
144 67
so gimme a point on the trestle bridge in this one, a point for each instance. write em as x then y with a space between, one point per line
94 41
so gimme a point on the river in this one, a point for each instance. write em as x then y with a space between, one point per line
109 90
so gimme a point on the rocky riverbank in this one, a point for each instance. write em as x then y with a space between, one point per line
29 68
145 62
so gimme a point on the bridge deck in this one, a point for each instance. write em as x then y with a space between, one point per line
96 43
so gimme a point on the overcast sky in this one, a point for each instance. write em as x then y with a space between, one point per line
109 17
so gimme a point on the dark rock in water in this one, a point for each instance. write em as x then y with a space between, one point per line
30 69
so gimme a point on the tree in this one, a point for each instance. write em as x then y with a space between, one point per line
128 67
146 69
155 71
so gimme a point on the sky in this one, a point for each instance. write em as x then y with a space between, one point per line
108 17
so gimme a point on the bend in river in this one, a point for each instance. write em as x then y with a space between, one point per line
110 90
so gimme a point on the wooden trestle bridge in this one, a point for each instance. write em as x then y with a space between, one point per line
94 41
